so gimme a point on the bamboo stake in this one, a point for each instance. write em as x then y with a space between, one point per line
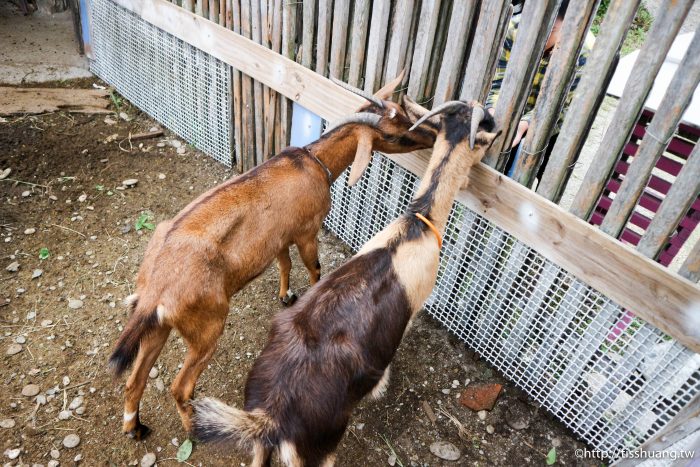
554 89
641 79
401 29
289 25
460 25
259 110
535 25
247 119
425 37
377 43
237 93
358 42
658 134
272 123
308 27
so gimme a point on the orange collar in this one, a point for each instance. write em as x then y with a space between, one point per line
430 225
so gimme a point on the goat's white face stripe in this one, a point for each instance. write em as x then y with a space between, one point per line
129 416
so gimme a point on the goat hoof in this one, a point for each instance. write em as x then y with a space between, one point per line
139 433
289 299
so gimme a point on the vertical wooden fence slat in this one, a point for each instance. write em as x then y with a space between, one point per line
377 42
425 37
247 109
485 44
339 34
265 109
214 11
204 8
188 5
358 41
258 111
272 124
691 267
289 26
308 29
533 31
460 25
680 197
554 89
324 35
506 15
657 136
641 79
401 29
237 106
581 113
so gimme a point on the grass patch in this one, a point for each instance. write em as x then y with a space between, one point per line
637 32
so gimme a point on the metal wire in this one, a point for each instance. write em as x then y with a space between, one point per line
613 380
182 87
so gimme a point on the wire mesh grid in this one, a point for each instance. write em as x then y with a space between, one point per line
609 376
182 87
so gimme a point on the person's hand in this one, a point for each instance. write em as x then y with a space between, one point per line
522 129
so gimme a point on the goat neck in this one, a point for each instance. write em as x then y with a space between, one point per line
337 149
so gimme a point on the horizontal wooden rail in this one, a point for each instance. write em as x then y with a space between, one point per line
633 281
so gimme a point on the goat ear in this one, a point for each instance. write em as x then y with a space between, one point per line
416 111
362 158
388 89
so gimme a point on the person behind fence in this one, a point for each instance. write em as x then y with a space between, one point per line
554 37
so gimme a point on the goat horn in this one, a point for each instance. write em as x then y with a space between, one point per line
449 105
360 117
477 117
359 92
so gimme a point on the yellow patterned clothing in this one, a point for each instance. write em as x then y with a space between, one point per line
532 98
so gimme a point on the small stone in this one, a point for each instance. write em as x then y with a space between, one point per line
53 463
55 454
5 173
124 116
82 198
392 460
53 197
41 399
71 441
161 176
30 390
518 416
445 450
153 373
7 423
175 442
29 231
490 429
78 458
66 380
13 349
13 453
482 414
75 403
556 442
480 397
37 273
130 182
148 460
80 410
175 143
26 194
31 315
445 391
160 386
75 303
64 414
46 323
181 150
13 267
20 339
110 121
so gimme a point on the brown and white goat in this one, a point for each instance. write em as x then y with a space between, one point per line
335 344
229 235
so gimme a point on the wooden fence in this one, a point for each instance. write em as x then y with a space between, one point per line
450 49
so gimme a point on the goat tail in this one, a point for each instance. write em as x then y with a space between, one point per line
216 422
142 321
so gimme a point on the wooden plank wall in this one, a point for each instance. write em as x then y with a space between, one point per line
450 50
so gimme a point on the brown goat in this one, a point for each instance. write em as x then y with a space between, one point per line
334 346
229 235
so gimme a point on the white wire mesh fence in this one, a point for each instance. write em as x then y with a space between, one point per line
182 87
612 378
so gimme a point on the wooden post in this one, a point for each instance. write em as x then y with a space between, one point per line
289 32
658 134
358 42
460 25
308 28
258 112
554 89
377 43
247 108
535 25
496 52
484 46
339 34
680 197
425 37
324 35
641 79
400 32
273 123
584 106
237 106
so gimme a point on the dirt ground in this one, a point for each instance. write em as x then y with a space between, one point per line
65 312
